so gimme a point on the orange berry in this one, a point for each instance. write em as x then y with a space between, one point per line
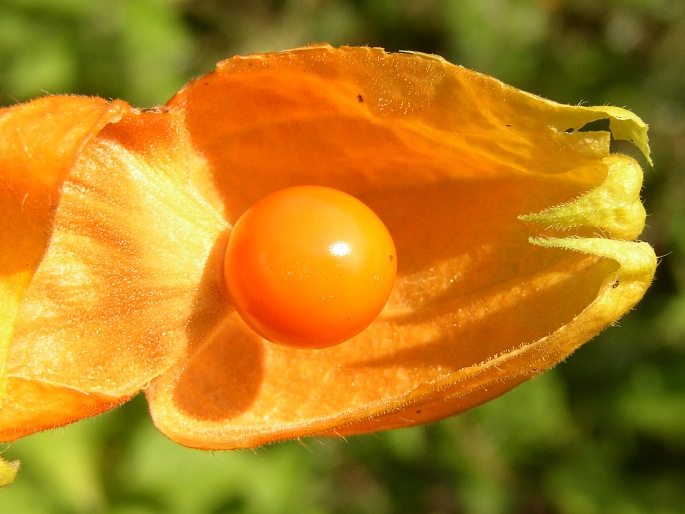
309 266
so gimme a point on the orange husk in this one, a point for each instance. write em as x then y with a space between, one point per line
39 144
514 232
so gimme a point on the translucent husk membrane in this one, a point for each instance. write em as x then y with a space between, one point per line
514 230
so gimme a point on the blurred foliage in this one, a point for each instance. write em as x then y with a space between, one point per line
603 432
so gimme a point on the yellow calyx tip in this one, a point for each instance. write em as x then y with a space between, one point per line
613 207
636 258
8 471
624 288
626 126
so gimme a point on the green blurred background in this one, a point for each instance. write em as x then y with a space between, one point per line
603 432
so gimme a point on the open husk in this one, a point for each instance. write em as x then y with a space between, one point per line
515 232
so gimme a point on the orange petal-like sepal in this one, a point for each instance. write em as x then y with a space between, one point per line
514 232
39 144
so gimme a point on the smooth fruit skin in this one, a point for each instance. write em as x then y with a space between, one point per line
309 266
